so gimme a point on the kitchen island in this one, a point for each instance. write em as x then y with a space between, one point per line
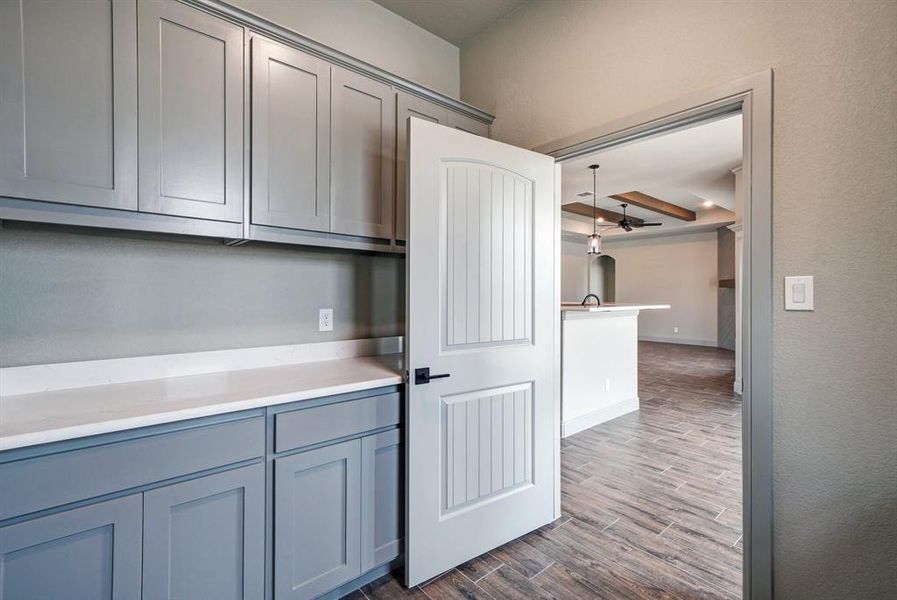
599 363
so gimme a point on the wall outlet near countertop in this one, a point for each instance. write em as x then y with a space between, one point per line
325 319
607 384
675 330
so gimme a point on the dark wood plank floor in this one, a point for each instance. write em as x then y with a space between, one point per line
651 501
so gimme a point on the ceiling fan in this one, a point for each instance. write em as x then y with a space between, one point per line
626 225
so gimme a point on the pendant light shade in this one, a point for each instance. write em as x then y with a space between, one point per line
593 242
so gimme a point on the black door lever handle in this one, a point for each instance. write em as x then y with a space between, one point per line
422 376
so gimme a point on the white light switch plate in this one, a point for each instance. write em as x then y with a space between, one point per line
799 293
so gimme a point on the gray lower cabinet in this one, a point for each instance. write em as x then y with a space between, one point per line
317 520
204 539
88 552
382 519
190 70
68 102
363 126
290 137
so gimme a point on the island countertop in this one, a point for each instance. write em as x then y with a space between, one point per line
576 307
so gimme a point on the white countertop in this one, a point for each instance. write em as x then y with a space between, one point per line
50 416
575 307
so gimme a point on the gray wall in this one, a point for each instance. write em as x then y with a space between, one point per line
725 300
835 143
68 294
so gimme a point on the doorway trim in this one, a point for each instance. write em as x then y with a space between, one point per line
753 96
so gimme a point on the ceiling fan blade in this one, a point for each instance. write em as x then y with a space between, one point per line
647 224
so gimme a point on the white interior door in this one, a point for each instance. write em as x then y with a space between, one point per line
481 308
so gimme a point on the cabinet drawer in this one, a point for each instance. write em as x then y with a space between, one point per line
308 426
57 479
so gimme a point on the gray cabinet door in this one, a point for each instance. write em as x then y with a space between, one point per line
88 552
363 125
468 124
190 69
290 137
409 106
205 539
383 517
68 102
317 514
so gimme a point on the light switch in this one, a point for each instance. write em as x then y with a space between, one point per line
799 293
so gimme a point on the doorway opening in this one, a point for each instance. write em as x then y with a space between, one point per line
651 455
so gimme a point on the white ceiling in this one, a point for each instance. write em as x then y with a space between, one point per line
455 21
685 167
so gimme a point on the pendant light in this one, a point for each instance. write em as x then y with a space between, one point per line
593 242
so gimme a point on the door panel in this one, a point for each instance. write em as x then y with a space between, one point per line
290 138
488 262
409 106
191 112
88 552
465 123
363 144
68 102
481 275
317 520
205 538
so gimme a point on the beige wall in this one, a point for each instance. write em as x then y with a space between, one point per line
574 271
367 31
679 270
554 68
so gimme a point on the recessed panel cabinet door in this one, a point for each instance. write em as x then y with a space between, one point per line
88 552
191 112
383 519
409 106
290 138
465 123
317 515
363 125
68 102
205 538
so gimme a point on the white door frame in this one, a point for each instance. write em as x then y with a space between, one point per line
753 95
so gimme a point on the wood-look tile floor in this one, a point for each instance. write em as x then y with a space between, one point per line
651 501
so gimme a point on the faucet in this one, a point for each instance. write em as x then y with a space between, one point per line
585 300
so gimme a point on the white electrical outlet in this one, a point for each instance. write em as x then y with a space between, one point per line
607 384
675 330
325 319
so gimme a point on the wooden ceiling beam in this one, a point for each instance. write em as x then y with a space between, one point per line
656 204
585 210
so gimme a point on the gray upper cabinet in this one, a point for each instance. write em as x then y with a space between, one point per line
190 67
68 102
88 552
468 124
317 520
205 538
409 106
363 123
290 137
382 490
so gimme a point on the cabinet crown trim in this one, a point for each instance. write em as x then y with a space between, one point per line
261 25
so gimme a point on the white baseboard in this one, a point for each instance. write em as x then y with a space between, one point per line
677 340
596 417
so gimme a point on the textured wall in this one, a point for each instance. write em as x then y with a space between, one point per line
555 68
80 295
366 30
679 270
